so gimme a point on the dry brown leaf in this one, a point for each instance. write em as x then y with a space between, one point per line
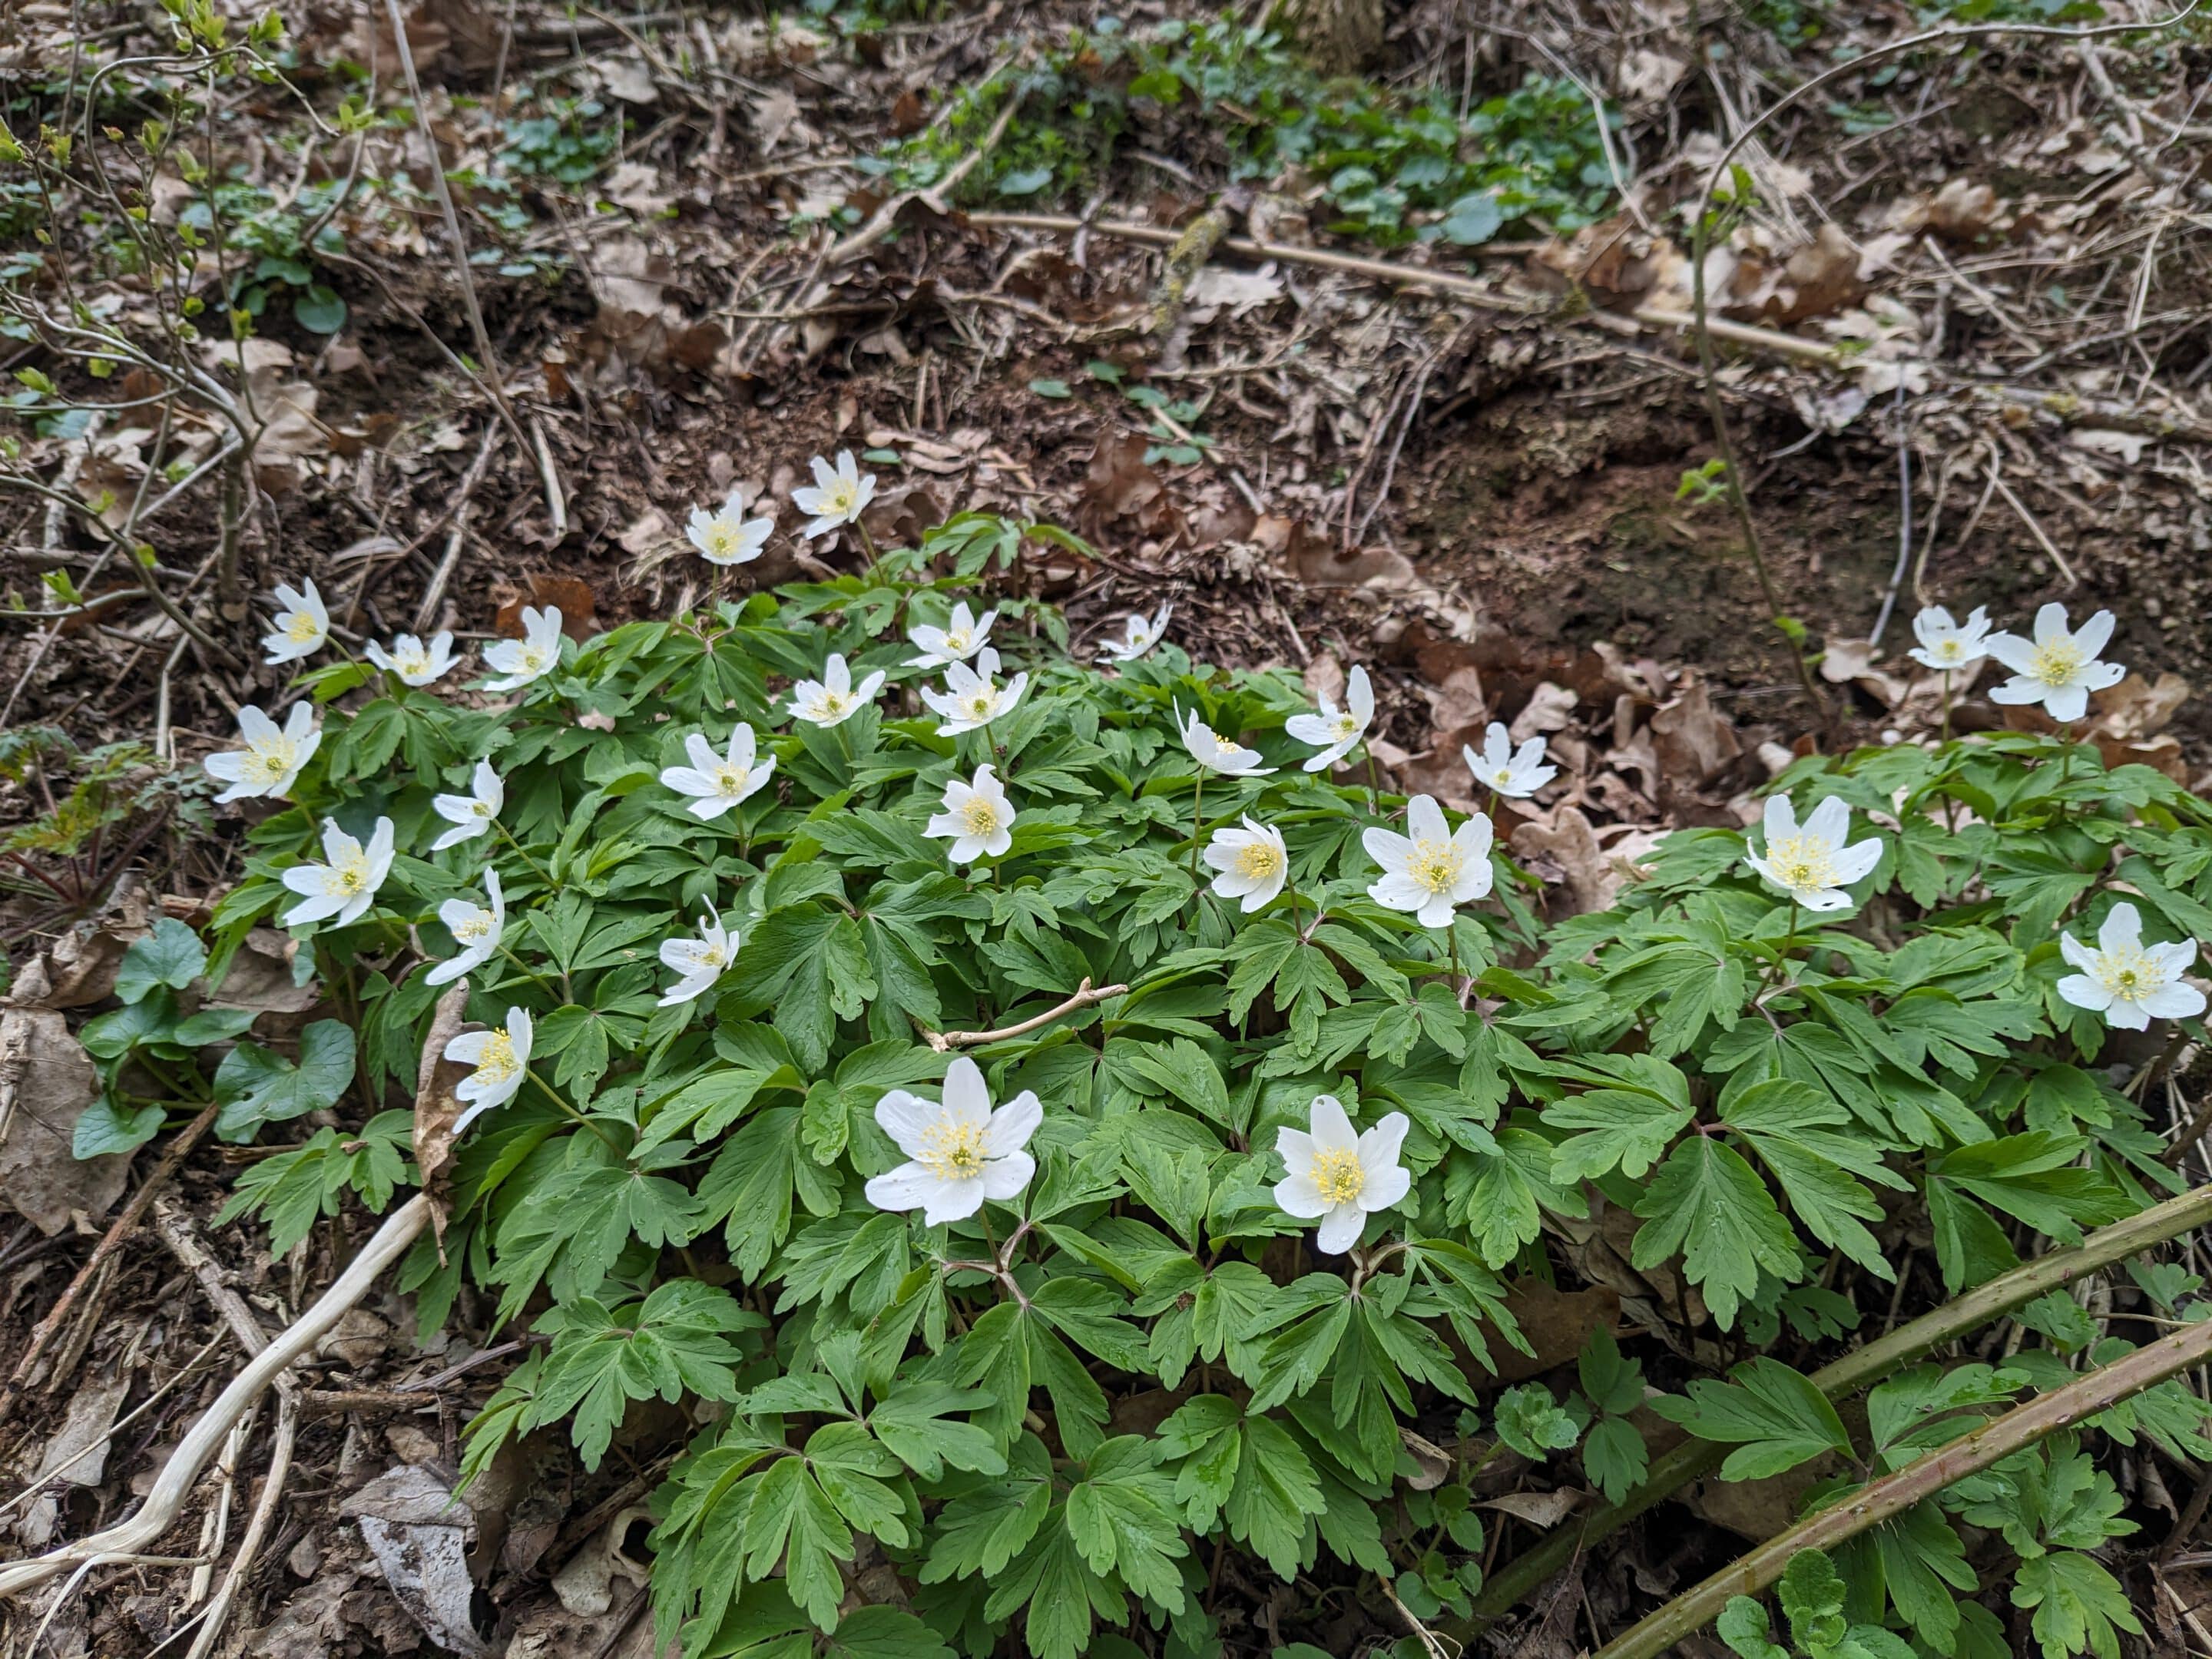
47 1082
1544 1509
435 1106
1692 738
419 1534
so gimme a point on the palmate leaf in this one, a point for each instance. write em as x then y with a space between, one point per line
1710 1205
677 1340
2078 1605
1774 1417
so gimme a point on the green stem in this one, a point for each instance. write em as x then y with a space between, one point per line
515 846
1197 817
1947 708
1860 1369
574 1115
529 973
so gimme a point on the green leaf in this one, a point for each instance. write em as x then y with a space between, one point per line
1811 1593
104 1128
1742 1624
1776 1418
1529 1420
257 1086
1615 1457
1808 1142
1707 1202
171 955
2078 1605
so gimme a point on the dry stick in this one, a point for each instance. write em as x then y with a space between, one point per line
1085 997
1863 1367
280 1465
186 1139
937 196
1893 1494
1469 288
2035 529
1701 231
493 380
165 1499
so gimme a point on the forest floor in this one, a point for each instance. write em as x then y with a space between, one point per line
1116 273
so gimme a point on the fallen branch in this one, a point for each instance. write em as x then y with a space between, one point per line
1858 1370
944 1041
1870 1506
165 1501
125 1224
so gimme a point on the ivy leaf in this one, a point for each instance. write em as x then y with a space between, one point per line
104 1128
1776 1418
171 955
257 1086
1708 1203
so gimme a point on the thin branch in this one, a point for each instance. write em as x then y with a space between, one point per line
944 1041
1858 1370
1870 1506
165 1501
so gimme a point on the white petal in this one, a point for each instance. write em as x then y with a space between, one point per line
966 1097
1332 1127
1427 819
905 1118
2014 652
907 1187
1831 821
2122 929
1012 1126
1340 1228
2051 624
2175 1002
2077 953
2094 635
1005 1177
1297 1196
1780 820
2066 704
1378 1146
1385 1188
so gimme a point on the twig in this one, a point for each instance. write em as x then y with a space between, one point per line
124 1225
1872 1505
1084 996
1701 223
1856 1370
165 1498
938 197
280 1465
1903 519
1997 478
1432 1644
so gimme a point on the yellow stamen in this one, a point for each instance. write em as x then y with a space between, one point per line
302 627
498 1063
980 818
1434 865
2130 973
951 1150
1337 1174
1258 860
2055 662
1802 862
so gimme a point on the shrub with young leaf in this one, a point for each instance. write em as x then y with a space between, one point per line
960 1173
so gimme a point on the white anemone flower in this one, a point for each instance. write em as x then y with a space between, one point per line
300 625
1812 864
840 495
1336 731
959 1151
718 782
271 762
1435 869
971 700
501 1060
2059 668
1253 862
1339 1175
833 699
344 886
699 962
532 657
472 814
1217 753
978 818
1515 774
1948 645
412 661
476 928
2129 982
1139 634
725 537
963 634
